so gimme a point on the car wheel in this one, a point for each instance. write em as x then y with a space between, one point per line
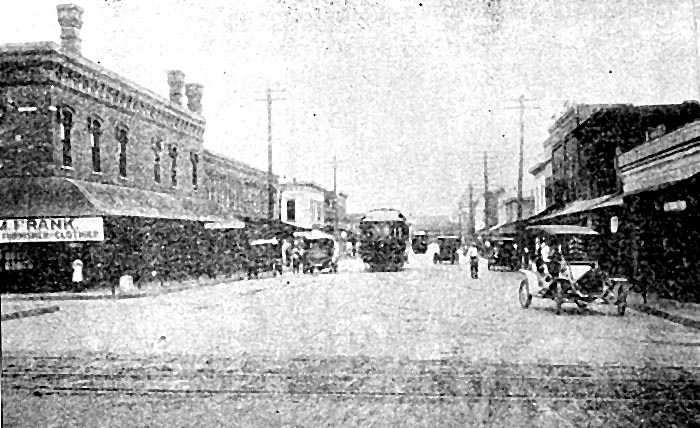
559 297
524 295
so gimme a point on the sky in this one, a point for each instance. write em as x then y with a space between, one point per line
407 94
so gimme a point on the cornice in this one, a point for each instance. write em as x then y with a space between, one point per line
41 63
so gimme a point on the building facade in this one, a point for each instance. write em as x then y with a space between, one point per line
585 187
661 181
98 169
302 204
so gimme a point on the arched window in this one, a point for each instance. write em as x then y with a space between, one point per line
157 147
65 119
95 131
194 158
123 140
173 165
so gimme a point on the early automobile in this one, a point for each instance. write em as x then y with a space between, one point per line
504 254
419 242
265 256
449 246
573 274
321 251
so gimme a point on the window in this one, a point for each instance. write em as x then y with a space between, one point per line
291 210
194 158
173 166
123 140
157 148
66 124
95 129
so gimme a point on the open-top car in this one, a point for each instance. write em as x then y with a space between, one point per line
449 245
573 274
321 251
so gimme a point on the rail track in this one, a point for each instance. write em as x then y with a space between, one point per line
443 380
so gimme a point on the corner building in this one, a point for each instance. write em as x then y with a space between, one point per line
96 168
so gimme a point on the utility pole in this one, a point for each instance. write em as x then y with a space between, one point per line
521 106
335 194
487 209
471 228
270 176
697 45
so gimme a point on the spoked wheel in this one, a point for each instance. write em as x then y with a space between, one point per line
621 309
524 295
559 297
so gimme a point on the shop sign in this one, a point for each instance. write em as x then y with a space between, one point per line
51 229
675 206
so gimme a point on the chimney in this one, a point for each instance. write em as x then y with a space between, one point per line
176 81
194 97
70 20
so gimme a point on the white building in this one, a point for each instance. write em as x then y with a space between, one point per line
302 204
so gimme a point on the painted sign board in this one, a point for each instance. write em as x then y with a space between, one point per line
51 229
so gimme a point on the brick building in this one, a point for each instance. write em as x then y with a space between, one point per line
83 147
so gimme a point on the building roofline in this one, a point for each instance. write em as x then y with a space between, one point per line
227 161
48 47
539 166
303 184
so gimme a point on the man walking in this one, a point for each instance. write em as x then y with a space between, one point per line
473 257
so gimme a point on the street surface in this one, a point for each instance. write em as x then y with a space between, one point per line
428 346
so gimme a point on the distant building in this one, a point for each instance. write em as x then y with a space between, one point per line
302 204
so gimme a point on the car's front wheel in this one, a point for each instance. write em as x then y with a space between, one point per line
524 295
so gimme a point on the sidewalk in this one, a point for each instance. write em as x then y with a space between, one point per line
147 289
687 314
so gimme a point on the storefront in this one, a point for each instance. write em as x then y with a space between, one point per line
662 218
47 224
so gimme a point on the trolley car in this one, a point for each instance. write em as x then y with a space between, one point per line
384 235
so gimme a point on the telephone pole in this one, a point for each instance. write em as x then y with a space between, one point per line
487 209
335 194
697 44
471 224
521 106
270 176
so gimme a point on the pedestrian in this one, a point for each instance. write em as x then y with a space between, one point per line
473 257
286 252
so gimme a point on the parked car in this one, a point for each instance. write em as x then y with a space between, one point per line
265 256
321 251
574 276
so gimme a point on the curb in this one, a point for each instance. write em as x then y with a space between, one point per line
78 296
687 322
29 313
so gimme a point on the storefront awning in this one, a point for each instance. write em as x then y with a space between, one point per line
586 205
57 196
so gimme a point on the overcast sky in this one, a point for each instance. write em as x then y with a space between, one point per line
408 94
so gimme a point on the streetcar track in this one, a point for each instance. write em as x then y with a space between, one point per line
43 390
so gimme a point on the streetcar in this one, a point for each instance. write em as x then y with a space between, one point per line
384 236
